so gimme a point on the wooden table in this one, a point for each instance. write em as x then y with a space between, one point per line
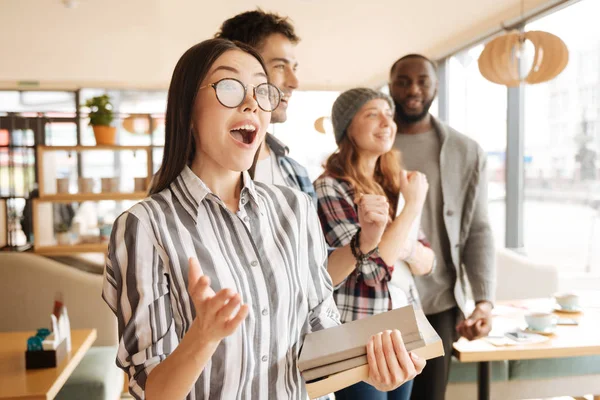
18 383
568 341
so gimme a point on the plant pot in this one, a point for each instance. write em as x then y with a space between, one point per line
104 134
63 238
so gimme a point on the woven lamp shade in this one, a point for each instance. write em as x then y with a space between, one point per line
499 63
320 124
139 124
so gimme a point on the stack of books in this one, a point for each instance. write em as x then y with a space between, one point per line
335 358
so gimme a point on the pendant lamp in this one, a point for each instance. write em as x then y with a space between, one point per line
506 60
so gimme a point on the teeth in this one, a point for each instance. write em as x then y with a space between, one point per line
248 127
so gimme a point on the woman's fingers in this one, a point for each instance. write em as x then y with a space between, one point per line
219 300
194 272
372 361
201 291
396 373
231 325
380 358
402 355
372 217
229 308
418 362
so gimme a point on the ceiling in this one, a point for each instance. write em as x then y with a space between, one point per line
136 43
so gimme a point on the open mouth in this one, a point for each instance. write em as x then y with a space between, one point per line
244 133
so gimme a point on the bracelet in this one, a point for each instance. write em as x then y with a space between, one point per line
355 248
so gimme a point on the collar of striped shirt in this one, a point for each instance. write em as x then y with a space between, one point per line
191 191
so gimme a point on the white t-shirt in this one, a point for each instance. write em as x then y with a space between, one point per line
268 171
402 287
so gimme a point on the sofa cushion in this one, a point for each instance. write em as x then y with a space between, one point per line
467 372
95 378
554 367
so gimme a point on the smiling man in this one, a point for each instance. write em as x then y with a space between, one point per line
455 217
275 39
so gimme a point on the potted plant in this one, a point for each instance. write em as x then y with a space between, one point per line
63 235
101 116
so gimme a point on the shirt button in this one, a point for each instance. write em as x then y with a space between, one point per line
265 312
265 358
449 213
246 219
243 200
254 263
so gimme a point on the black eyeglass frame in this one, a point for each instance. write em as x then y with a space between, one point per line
245 87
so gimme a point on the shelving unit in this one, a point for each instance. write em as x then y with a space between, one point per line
71 198
41 150
45 197
70 249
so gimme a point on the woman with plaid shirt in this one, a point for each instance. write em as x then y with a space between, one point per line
365 173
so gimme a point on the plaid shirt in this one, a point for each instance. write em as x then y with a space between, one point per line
295 175
365 291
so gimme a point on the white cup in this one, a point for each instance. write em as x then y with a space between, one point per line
540 321
567 301
62 185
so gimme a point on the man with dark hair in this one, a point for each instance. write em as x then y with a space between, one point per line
455 217
275 39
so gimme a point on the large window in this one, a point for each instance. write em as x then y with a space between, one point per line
562 143
307 146
478 110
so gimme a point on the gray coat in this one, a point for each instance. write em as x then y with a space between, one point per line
464 192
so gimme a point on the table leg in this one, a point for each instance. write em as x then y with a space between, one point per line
484 379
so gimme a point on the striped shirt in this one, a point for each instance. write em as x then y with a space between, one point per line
373 287
271 251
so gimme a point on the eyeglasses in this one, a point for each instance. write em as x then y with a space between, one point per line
231 94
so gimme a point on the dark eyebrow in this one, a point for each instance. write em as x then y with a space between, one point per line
283 60
231 69
408 77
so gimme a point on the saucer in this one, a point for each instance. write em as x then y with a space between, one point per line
546 332
575 310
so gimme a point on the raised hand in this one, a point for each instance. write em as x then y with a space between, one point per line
373 217
390 365
217 314
414 187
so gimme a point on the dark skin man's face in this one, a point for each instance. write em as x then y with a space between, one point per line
413 86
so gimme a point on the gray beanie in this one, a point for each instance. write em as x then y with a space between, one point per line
347 105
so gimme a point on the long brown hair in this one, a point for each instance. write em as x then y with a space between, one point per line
190 71
344 165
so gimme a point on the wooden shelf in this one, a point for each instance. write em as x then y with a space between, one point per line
93 148
68 198
73 248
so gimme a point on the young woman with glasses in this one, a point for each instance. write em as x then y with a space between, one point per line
215 279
